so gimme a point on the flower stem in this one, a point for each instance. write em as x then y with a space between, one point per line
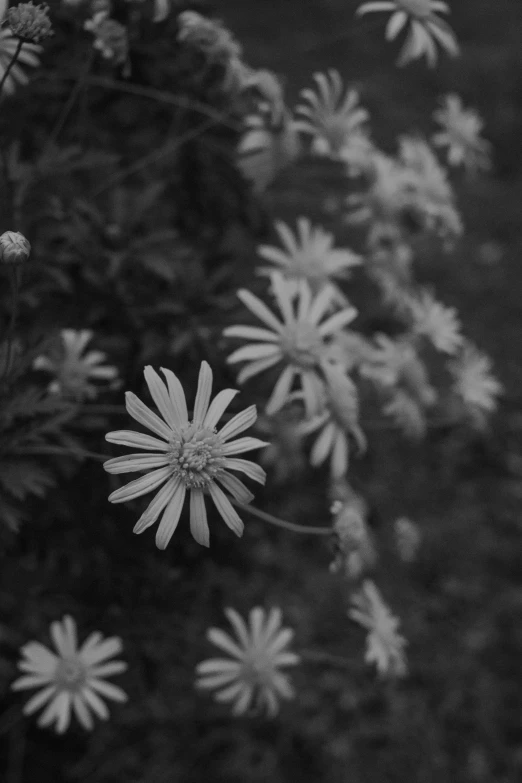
314 531
73 95
15 291
11 63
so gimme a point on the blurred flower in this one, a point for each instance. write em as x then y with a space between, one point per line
73 679
190 455
265 149
437 323
474 382
355 552
298 341
110 38
30 22
27 56
308 254
331 115
425 27
216 42
407 538
74 369
461 129
14 248
284 454
250 676
384 645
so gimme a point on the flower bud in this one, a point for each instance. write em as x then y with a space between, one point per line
14 248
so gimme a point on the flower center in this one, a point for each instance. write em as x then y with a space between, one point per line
196 456
302 344
419 8
70 674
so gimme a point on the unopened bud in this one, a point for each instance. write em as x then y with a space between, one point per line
14 248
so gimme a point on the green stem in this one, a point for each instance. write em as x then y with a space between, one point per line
11 63
313 531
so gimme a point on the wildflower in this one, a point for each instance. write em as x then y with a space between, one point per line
438 323
389 184
331 115
28 55
189 455
215 41
30 22
110 38
298 340
14 248
265 150
73 678
309 255
250 676
407 538
355 551
461 129
407 413
474 382
425 27
384 645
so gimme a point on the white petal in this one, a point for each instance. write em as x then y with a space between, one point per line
253 471
224 642
241 445
131 463
94 654
108 689
251 333
253 352
81 712
260 309
95 703
323 445
177 396
226 509
220 665
203 393
236 487
156 506
218 406
40 658
198 518
141 486
239 626
238 423
136 440
161 397
171 515
337 322
141 413
254 368
281 391
108 669
39 699
31 681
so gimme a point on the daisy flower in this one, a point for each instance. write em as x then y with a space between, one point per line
474 382
298 340
74 369
439 324
188 455
425 28
384 645
309 254
460 134
250 677
28 56
73 678
330 114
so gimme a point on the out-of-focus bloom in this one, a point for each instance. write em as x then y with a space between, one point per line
110 38
189 455
269 91
474 382
27 56
73 678
355 551
309 254
284 454
439 324
330 114
74 369
349 350
215 41
384 645
460 134
426 29
299 340
407 538
265 150
30 22
14 248
250 677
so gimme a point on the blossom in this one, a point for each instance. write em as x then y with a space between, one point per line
30 22
460 134
425 27
215 42
355 551
331 115
14 248
73 368
250 676
474 382
28 55
438 323
73 678
298 340
309 254
189 454
384 645
264 150
110 37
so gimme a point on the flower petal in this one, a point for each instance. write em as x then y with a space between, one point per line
226 509
131 463
203 393
236 487
250 469
241 421
198 518
260 309
241 445
81 712
136 440
177 396
94 654
224 642
156 506
108 689
171 515
161 397
218 406
39 699
141 413
141 486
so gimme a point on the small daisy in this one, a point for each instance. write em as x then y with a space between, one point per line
309 255
384 645
331 115
74 369
72 678
439 324
28 56
474 382
298 340
425 27
188 455
250 677
460 134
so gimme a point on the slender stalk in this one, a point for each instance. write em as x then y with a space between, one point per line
67 108
11 63
15 296
294 528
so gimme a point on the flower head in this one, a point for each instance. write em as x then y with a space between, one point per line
188 455
437 323
74 369
355 551
27 56
474 382
14 248
250 676
266 149
73 678
425 28
110 38
30 22
460 134
299 340
384 645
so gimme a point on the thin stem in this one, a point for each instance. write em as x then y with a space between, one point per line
66 110
11 63
60 451
15 291
313 531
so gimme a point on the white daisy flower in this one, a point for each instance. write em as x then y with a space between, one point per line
309 255
460 134
27 56
426 29
384 645
474 382
73 678
438 323
250 677
74 369
330 114
299 340
188 454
